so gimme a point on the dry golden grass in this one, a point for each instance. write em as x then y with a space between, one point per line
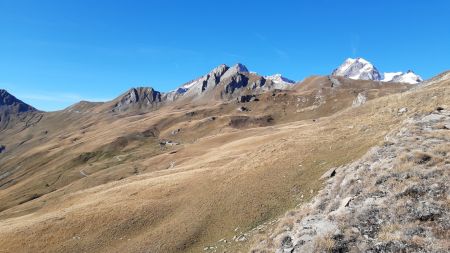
324 244
389 232
222 177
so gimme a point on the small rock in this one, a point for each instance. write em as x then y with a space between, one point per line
287 242
176 131
402 110
243 109
346 201
241 238
359 100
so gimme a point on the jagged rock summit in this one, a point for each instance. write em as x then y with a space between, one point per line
361 69
13 105
224 83
13 109
138 98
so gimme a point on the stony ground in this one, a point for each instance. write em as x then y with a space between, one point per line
394 199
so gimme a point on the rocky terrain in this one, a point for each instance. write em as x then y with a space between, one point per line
210 166
394 199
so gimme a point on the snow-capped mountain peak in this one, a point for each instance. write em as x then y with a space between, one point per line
361 69
388 76
408 77
278 78
358 68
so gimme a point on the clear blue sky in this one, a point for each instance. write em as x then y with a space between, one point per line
55 53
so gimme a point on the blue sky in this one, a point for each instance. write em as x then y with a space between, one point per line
55 53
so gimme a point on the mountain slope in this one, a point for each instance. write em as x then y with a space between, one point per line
394 199
183 176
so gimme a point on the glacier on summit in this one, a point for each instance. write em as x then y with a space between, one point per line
361 69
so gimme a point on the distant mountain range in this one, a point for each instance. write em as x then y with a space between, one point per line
222 83
361 69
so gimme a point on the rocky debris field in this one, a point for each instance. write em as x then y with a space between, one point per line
394 199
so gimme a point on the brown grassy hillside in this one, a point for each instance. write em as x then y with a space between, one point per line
183 177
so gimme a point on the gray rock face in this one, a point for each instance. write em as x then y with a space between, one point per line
10 103
235 82
138 98
238 68
227 83
359 100
204 83
11 108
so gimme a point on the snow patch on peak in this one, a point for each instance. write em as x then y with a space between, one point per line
361 69
408 77
278 78
388 76
358 68
401 77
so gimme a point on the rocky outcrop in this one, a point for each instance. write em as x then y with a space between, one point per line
204 83
138 98
228 83
13 110
13 105
359 100
234 70
394 199
247 98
